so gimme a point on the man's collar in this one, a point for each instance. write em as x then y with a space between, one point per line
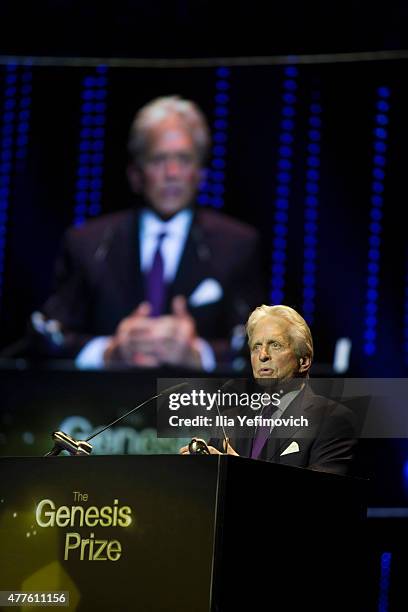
276 385
152 224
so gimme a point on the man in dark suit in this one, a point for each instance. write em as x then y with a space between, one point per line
164 284
281 349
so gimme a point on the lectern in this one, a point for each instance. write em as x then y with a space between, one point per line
179 533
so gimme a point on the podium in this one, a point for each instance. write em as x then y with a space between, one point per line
169 533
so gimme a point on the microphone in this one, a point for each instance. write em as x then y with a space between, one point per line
63 441
198 446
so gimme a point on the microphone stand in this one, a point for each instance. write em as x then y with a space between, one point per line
63 441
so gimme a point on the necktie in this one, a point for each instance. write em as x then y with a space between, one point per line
155 285
262 433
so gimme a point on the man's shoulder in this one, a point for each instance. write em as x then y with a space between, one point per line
327 406
214 222
105 225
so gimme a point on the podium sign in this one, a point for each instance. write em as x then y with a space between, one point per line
117 533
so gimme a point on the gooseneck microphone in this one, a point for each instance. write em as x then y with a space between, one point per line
198 446
65 442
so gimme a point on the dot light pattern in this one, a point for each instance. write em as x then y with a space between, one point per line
14 136
213 187
375 224
283 184
311 213
88 194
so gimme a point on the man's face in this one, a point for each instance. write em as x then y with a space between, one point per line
272 354
170 169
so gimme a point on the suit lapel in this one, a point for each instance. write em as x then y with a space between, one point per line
124 262
195 262
281 436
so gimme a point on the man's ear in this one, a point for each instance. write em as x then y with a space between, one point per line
135 177
304 364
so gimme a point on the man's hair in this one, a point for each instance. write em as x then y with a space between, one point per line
159 109
299 331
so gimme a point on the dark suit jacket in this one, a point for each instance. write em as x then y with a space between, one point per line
327 444
99 280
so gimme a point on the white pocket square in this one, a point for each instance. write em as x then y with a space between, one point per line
292 448
207 292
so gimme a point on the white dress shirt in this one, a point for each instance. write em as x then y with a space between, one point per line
176 232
